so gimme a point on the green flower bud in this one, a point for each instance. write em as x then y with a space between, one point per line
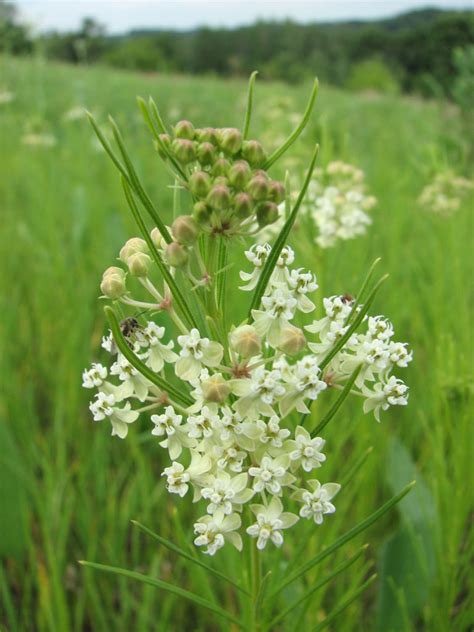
184 129
276 191
215 389
113 283
131 247
157 238
201 213
245 341
267 213
166 141
185 230
219 197
221 167
207 135
200 183
292 340
206 153
243 205
139 264
230 141
239 174
253 153
176 255
184 150
258 187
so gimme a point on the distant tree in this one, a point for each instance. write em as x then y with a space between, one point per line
14 37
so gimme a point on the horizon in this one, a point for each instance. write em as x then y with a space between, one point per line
122 16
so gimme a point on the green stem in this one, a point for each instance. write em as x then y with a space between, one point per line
255 576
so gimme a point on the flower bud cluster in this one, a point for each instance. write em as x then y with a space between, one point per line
240 437
228 183
444 195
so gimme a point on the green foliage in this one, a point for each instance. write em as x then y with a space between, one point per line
463 85
372 74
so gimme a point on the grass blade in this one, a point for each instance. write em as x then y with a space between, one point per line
162 130
280 241
357 321
322 582
136 184
166 274
346 537
248 111
159 583
172 547
138 364
294 135
356 466
344 604
107 147
337 404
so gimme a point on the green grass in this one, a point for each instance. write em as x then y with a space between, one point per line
68 491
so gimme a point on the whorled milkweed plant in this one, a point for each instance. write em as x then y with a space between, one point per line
229 402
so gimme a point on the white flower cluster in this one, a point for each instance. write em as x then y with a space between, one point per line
444 195
241 439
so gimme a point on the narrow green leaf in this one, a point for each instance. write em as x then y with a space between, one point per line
222 272
137 186
365 283
172 547
346 537
357 321
169 280
337 404
157 115
295 134
344 604
135 361
356 466
280 241
106 146
162 130
159 583
248 110
322 582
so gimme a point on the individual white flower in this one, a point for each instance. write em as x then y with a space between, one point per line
108 343
95 376
271 475
213 531
178 479
285 259
202 425
158 353
257 255
303 383
337 308
134 382
279 309
329 339
104 406
302 284
306 451
399 354
379 328
259 393
196 351
228 455
316 500
270 521
169 425
392 393
226 492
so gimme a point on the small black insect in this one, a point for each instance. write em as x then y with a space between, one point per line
129 326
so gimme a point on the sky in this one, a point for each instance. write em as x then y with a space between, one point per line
122 15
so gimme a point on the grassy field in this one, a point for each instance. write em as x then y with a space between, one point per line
68 491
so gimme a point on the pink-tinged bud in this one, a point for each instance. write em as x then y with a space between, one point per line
207 135
219 197
230 141
185 230
113 283
267 213
176 255
200 183
258 188
276 191
133 245
292 340
201 213
239 174
221 167
139 264
184 129
245 341
243 205
166 142
184 150
215 389
253 153
206 153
